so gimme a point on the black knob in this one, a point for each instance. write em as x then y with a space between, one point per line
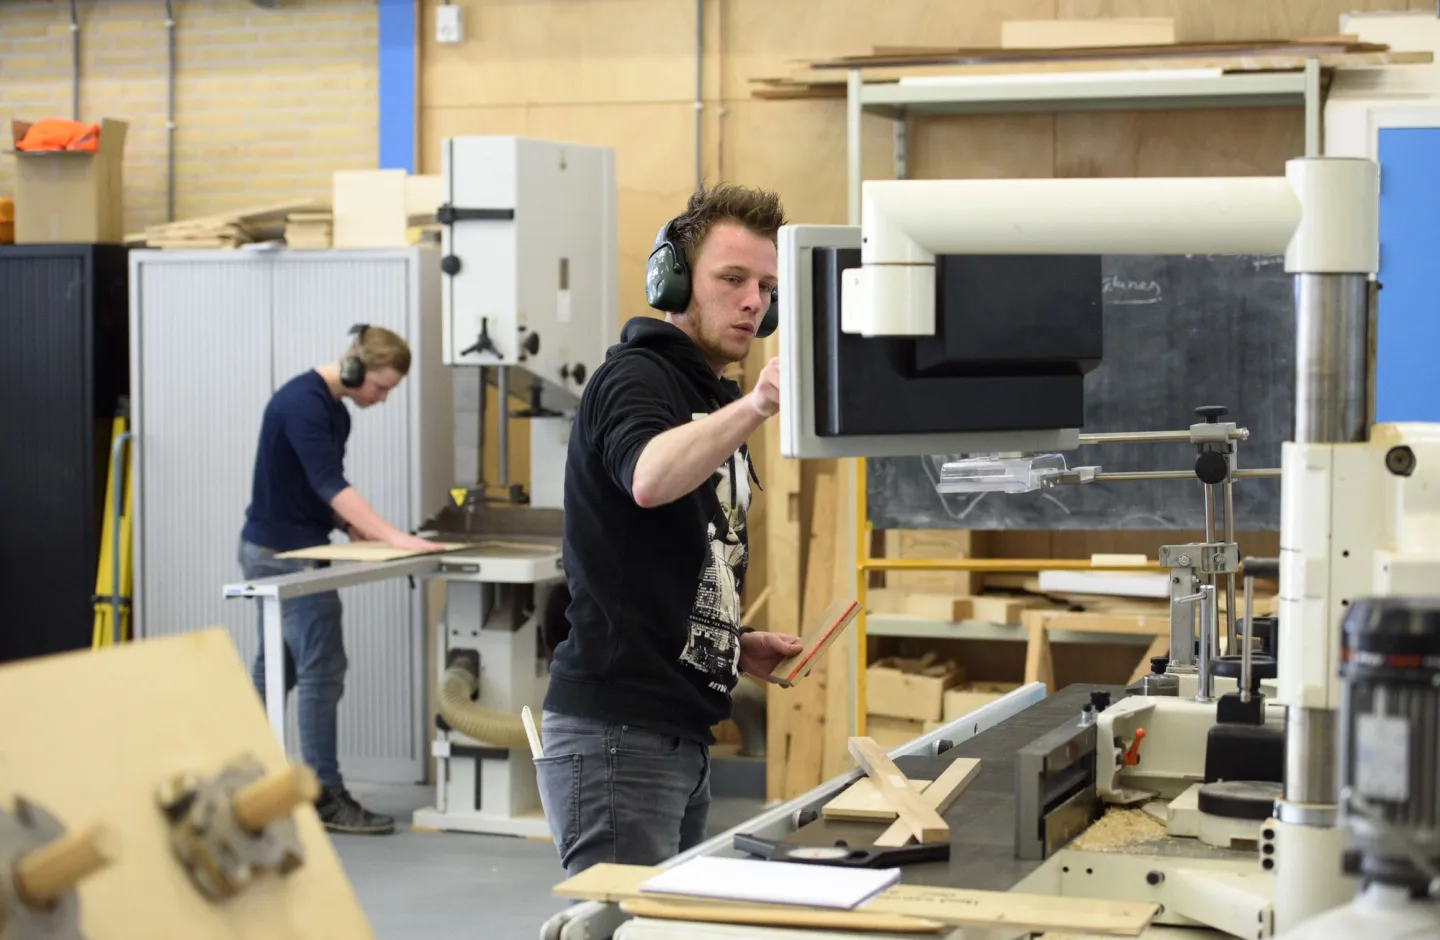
1158 664
450 265
1211 413
579 373
1100 699
531 343
1211 467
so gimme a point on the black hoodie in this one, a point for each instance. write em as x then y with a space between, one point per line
655 593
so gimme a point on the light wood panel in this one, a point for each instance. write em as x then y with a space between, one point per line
765 38
1224 20
142 713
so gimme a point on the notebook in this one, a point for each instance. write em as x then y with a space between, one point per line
762 882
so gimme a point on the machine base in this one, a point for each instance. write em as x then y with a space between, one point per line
528 827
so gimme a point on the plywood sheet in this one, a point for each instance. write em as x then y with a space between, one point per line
1073 33
103 729
364 551
1013 910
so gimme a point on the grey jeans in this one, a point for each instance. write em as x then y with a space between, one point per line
618 793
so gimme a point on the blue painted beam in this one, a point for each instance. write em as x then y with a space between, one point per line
398 22
1408 321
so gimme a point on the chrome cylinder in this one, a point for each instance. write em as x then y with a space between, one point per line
1310 756
1205 690
1332 383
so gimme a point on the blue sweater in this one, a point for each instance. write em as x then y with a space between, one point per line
299 466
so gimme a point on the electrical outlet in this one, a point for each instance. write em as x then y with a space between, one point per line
449 23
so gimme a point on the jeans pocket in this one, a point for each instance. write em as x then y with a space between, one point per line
636 741
559 784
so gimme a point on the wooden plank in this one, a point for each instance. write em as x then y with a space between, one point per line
1014 911
1070 34
149 711
921 820
1039 659
862 801
1095 622
772 916
840 661
365 551
820 635
938 796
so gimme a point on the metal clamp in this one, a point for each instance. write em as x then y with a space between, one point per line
41 865
1205 558
226 828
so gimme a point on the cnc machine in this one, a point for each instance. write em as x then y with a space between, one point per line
889 306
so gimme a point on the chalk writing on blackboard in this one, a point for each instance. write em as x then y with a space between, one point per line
1126 293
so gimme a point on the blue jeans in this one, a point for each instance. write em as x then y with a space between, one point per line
618 793
315 660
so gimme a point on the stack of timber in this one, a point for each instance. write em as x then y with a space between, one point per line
826 78
309 230
225 229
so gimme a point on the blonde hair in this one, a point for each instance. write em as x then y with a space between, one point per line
380 348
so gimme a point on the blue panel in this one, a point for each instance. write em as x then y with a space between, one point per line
1409 305
397 25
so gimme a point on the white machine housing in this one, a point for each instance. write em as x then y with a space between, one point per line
1352 522
532 240
537 259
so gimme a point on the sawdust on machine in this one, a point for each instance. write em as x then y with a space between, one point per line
1120 829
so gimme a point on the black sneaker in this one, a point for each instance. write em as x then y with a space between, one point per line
340 813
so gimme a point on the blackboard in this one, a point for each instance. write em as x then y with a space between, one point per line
1180 331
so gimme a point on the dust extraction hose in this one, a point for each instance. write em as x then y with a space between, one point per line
499 729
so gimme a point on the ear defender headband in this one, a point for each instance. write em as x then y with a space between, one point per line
667 282
352 367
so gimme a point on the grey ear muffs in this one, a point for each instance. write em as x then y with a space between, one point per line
352 368
667 282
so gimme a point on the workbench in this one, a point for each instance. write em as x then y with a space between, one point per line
981 820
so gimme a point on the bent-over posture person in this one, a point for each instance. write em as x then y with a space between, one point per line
299 496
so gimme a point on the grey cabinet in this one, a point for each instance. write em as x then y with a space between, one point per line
214 334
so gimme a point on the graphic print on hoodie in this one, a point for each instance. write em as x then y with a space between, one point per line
714 644
654 615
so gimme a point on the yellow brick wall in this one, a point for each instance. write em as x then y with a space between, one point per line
268 103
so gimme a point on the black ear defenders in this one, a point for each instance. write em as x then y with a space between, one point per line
352 367
667 282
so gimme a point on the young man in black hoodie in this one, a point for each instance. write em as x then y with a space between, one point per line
657 486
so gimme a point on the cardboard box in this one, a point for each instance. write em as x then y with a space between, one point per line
963 700
891 733
376 208
913 689
70 197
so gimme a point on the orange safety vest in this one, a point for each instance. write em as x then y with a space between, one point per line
50 134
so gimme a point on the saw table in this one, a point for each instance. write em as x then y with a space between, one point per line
1110 860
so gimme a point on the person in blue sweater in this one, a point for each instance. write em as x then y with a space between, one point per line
299 496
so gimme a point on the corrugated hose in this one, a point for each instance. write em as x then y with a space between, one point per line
499 729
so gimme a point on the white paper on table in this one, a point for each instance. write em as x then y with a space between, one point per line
739 879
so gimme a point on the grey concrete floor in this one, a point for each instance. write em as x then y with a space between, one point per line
459 886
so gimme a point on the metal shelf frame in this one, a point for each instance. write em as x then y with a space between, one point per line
1068 91
1018 93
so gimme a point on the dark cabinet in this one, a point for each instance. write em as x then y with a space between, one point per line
64 372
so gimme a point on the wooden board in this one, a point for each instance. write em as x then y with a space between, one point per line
760 915
103 729
862 801
1062 34
938 796
915 815
822 633
959 907
364 551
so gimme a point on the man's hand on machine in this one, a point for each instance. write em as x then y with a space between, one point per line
760 652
